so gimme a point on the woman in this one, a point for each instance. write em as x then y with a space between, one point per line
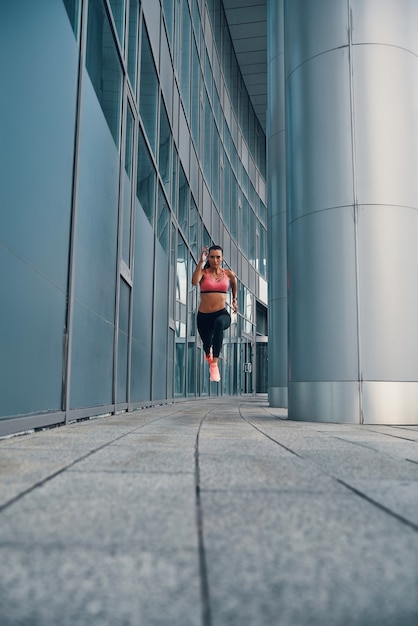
212 317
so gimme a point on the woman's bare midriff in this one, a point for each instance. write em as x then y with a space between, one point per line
212 302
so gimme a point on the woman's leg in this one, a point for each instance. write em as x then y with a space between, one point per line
222 322
205 330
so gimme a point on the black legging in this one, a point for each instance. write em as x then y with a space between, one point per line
211 328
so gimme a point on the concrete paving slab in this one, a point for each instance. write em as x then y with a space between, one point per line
104 510
122 520
142 458
298 559
401 497
20 469
43 587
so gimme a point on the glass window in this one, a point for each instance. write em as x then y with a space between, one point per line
252 239
129 142
148 91
174 183
173 246
196 19
181 289
191 369
234 81
234 208
163 220
215 167
207 141
168 8
73 7
177 36
133 41
123 341
227 139
183 202
226 206
145 181
164 151
248 311
217 108
251 130
226 57
208 75
218 15
207 241
245 180
180 367
127 188
186 29
103 66
245 225
263 252
181 317
193 226
195 93
118 11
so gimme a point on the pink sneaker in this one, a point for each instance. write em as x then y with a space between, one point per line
215 377
209 357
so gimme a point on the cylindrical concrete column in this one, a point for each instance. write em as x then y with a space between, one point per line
276 177
351 71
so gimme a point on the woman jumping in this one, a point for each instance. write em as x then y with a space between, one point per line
212 316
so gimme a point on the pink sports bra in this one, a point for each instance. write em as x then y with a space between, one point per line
210 284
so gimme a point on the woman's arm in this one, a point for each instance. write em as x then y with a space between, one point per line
233 283
199 272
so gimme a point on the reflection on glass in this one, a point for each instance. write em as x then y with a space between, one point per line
263 252
191 369
123 338
174 183
207 140
183 202
164 151
180 369
195 94
168 8
181 289
226 205
181 318
129 142
248 311
127 191
186 28
215 167
245 224
146 176
103 66
193 226
118 11
73 7
172 294
252 239
148 90
163 220
133 41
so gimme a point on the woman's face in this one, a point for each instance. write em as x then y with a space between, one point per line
215 258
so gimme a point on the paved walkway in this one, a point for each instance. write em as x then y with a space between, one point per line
217 512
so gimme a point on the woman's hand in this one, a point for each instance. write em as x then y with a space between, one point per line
235 305
199 272
204 255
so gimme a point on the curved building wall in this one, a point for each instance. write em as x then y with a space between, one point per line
352 209
127 157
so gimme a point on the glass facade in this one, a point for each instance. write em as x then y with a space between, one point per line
159 153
